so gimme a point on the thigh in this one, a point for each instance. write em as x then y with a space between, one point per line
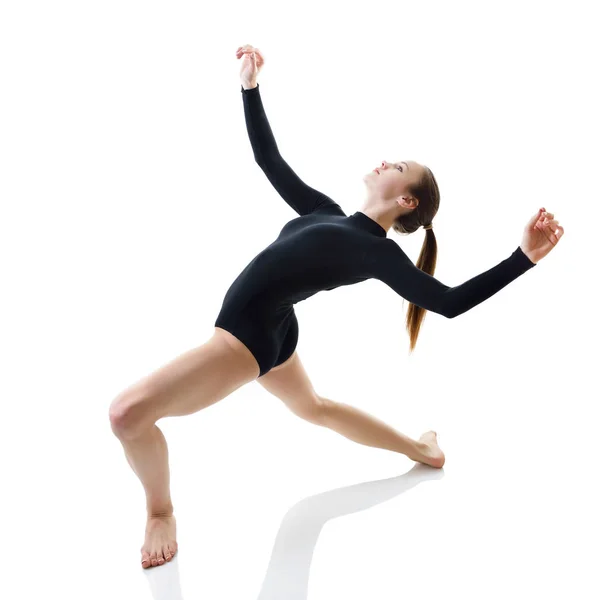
192 381
290 383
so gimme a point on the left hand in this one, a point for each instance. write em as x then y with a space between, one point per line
541 234
252 63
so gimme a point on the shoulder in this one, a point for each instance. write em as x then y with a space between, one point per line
391 248
383 253
330 208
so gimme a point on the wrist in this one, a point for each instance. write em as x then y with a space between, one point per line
248 85
529 255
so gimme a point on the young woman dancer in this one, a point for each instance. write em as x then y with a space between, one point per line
256 330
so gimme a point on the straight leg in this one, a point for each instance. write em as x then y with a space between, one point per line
290 383
366 429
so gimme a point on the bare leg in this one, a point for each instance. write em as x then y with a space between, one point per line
290 383
366 429
148 456
189 383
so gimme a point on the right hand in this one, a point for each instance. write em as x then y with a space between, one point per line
252 63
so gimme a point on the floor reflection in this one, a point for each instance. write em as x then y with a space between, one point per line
289 567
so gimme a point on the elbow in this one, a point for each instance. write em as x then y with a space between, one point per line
444 310
450 310
263 159
452 304
259 157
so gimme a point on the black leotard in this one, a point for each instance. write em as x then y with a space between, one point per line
323 249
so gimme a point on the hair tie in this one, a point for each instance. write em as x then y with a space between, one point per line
430 226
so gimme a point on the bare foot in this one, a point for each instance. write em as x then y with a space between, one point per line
431 453
160 544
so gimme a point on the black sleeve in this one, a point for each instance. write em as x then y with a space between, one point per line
395 269
301 197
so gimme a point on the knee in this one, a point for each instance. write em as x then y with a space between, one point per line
316 411
126 413
118 414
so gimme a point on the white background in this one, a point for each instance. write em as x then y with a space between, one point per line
130 202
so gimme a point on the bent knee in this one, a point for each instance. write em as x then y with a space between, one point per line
130 413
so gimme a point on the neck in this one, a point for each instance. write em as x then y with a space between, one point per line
381 215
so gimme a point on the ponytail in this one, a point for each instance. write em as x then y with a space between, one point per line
426 262
428 193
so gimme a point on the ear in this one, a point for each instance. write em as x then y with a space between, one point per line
409 201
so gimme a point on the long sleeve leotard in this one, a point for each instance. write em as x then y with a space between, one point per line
323 249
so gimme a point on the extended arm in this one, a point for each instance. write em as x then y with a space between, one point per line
396 269
301 197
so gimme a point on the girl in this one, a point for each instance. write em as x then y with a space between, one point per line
256 330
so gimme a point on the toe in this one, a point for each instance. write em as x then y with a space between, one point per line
160 557
154 559
145 560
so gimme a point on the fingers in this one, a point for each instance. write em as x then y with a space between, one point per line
246 49
249 49
543 218
551 224
545 222
533 221
552 230
554 236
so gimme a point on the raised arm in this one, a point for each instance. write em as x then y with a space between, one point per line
301 197
395 269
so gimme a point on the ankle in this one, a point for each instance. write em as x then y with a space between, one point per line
160 511
421 449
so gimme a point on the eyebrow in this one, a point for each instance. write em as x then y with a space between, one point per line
405 164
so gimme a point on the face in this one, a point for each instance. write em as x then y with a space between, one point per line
391 181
